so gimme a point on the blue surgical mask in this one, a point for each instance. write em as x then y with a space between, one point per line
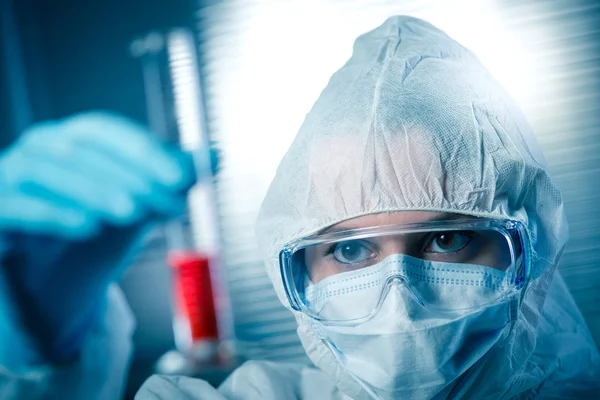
407 350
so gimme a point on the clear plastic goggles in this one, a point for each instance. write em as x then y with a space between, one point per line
432 261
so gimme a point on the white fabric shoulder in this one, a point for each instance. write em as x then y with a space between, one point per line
254 380
163 387
565 353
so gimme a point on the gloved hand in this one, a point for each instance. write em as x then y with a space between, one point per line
75 195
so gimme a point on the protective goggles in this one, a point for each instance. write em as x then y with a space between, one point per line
433 261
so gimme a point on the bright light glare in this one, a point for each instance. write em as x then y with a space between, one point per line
288 51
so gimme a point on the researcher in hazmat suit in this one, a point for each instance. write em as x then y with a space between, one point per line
414 231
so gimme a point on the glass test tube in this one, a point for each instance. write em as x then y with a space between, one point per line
202 322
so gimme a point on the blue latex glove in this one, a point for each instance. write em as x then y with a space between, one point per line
75 195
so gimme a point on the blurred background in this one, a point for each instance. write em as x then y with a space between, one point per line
262 64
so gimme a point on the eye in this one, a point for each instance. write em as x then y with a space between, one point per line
448 242
352 252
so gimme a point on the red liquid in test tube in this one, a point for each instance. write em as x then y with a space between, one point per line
194 295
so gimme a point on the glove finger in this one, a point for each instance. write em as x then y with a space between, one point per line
23 213
132 143
68 187
105 172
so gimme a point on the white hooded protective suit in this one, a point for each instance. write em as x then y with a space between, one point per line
413 121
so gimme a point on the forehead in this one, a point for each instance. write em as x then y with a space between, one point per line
393 218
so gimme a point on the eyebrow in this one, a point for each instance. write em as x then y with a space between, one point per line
441 217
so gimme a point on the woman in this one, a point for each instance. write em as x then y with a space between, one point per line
413 230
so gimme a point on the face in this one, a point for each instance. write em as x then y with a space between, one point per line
481 247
